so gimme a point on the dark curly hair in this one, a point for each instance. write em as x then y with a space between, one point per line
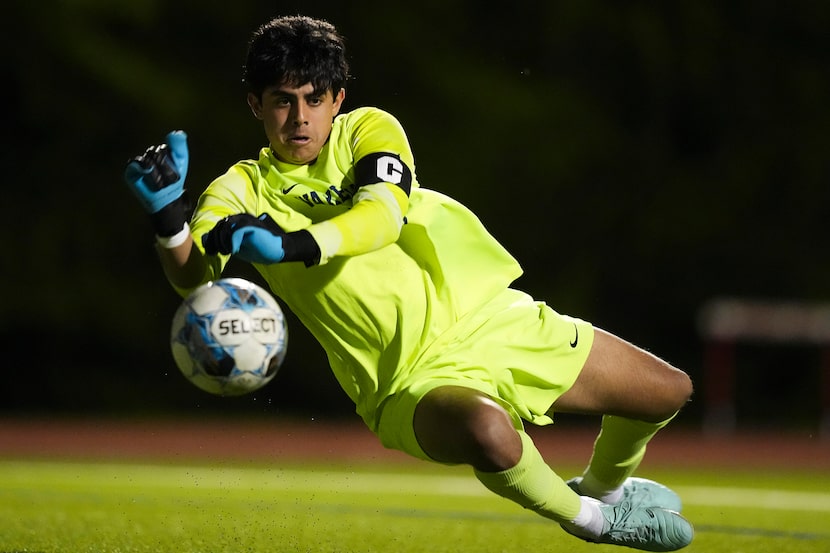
296 50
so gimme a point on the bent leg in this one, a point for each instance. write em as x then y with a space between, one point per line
637 394
459 425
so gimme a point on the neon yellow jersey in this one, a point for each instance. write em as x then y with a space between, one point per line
391 281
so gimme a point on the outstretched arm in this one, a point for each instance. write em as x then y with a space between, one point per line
157 178
374 221
383 180
183 265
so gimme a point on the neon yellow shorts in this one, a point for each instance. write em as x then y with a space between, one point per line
517 350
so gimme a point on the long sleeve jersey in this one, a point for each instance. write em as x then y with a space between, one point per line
400 265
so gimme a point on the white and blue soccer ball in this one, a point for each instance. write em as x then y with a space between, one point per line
229 337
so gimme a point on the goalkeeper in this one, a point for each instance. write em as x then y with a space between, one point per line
411 298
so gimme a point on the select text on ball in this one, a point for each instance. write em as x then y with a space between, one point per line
246 326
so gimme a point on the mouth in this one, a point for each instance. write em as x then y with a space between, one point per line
299 140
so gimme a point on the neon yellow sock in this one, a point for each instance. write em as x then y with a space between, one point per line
618 451
534 485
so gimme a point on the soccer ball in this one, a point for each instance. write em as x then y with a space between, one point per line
229 337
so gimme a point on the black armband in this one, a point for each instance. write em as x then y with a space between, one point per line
383 167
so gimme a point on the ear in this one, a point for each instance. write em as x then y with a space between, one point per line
338 101
255 105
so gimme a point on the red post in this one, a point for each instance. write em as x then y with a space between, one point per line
719 387
824 390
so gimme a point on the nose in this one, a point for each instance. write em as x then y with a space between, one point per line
300 118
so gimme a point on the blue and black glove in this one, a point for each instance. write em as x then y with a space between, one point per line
156 178
260 240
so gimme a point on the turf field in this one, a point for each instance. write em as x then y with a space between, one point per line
358 505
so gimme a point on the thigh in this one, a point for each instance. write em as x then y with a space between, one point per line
522 354
621 379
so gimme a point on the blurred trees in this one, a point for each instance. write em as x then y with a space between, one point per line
636 159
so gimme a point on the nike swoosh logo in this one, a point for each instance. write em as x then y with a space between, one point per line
576 337
290 188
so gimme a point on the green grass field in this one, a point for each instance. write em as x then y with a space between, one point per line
75 507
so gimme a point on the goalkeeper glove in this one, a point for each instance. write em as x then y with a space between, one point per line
156 178
260 240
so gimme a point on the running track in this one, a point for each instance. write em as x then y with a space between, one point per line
309 440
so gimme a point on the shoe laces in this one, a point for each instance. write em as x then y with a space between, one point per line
634 489
627 527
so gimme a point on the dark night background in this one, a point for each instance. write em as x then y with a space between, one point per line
639 159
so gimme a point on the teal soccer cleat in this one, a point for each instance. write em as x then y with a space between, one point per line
643 491
632 524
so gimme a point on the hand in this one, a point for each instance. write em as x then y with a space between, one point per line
260 240
157 176
252 239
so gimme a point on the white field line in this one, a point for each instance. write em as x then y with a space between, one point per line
104 475
754 497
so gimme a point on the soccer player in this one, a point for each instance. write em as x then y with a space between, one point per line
411 298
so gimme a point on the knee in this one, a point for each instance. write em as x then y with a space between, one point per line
460 425
677 392
682 388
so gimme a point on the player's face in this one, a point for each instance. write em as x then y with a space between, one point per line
297 121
